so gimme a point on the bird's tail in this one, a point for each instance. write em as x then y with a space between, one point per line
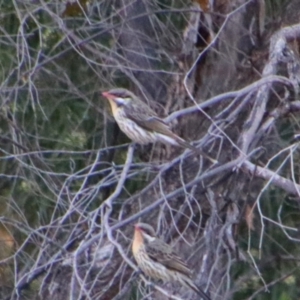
196 289
181 142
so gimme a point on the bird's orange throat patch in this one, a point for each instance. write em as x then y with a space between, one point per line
114 106
138 241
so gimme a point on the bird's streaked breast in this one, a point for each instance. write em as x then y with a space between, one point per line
133 130
151 268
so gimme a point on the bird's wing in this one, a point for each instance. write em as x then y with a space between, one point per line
162 253
145 117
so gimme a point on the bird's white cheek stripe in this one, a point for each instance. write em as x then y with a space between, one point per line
148 237
120 101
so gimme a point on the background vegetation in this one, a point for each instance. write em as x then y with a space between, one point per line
224 75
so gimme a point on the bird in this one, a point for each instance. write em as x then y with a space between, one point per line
140 123
159 261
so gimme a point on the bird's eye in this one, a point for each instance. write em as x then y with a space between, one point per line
148 232
122 95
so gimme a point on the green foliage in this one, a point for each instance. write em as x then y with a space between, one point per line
278 253
59 147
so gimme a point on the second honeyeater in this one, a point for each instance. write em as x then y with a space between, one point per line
158 260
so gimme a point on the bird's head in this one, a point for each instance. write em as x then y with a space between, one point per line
146 231
121 97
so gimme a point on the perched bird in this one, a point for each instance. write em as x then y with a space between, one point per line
158 260
140 123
